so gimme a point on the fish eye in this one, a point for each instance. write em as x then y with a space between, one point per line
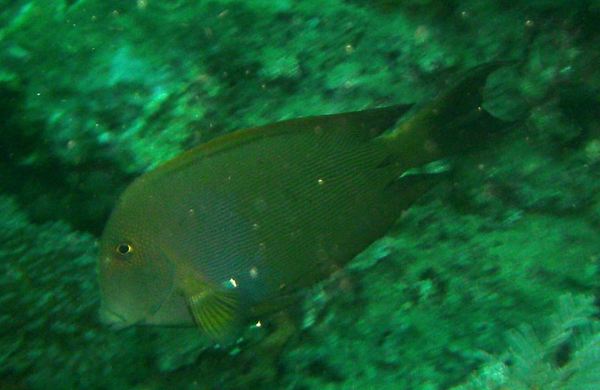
124 249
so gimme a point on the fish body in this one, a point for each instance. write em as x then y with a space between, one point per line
233 228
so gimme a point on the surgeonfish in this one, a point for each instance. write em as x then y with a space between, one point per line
235 228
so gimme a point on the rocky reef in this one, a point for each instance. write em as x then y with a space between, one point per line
490 282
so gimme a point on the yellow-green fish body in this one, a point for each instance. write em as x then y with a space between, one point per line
232 228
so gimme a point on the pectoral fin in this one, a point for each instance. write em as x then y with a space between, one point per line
216 312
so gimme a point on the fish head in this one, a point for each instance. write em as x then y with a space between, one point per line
135 277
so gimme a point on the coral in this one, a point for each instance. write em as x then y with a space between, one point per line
567 357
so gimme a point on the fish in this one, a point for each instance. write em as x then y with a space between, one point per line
237 228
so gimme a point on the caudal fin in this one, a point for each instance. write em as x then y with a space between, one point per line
451 123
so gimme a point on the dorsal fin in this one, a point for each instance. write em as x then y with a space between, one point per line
364 125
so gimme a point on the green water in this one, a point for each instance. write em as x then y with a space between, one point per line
491 281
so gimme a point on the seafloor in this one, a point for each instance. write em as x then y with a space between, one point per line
490 282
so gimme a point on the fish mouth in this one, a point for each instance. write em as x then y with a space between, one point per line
114 320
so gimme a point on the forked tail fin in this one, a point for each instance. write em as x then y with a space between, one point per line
452 122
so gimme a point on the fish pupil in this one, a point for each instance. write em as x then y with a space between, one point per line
123 249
